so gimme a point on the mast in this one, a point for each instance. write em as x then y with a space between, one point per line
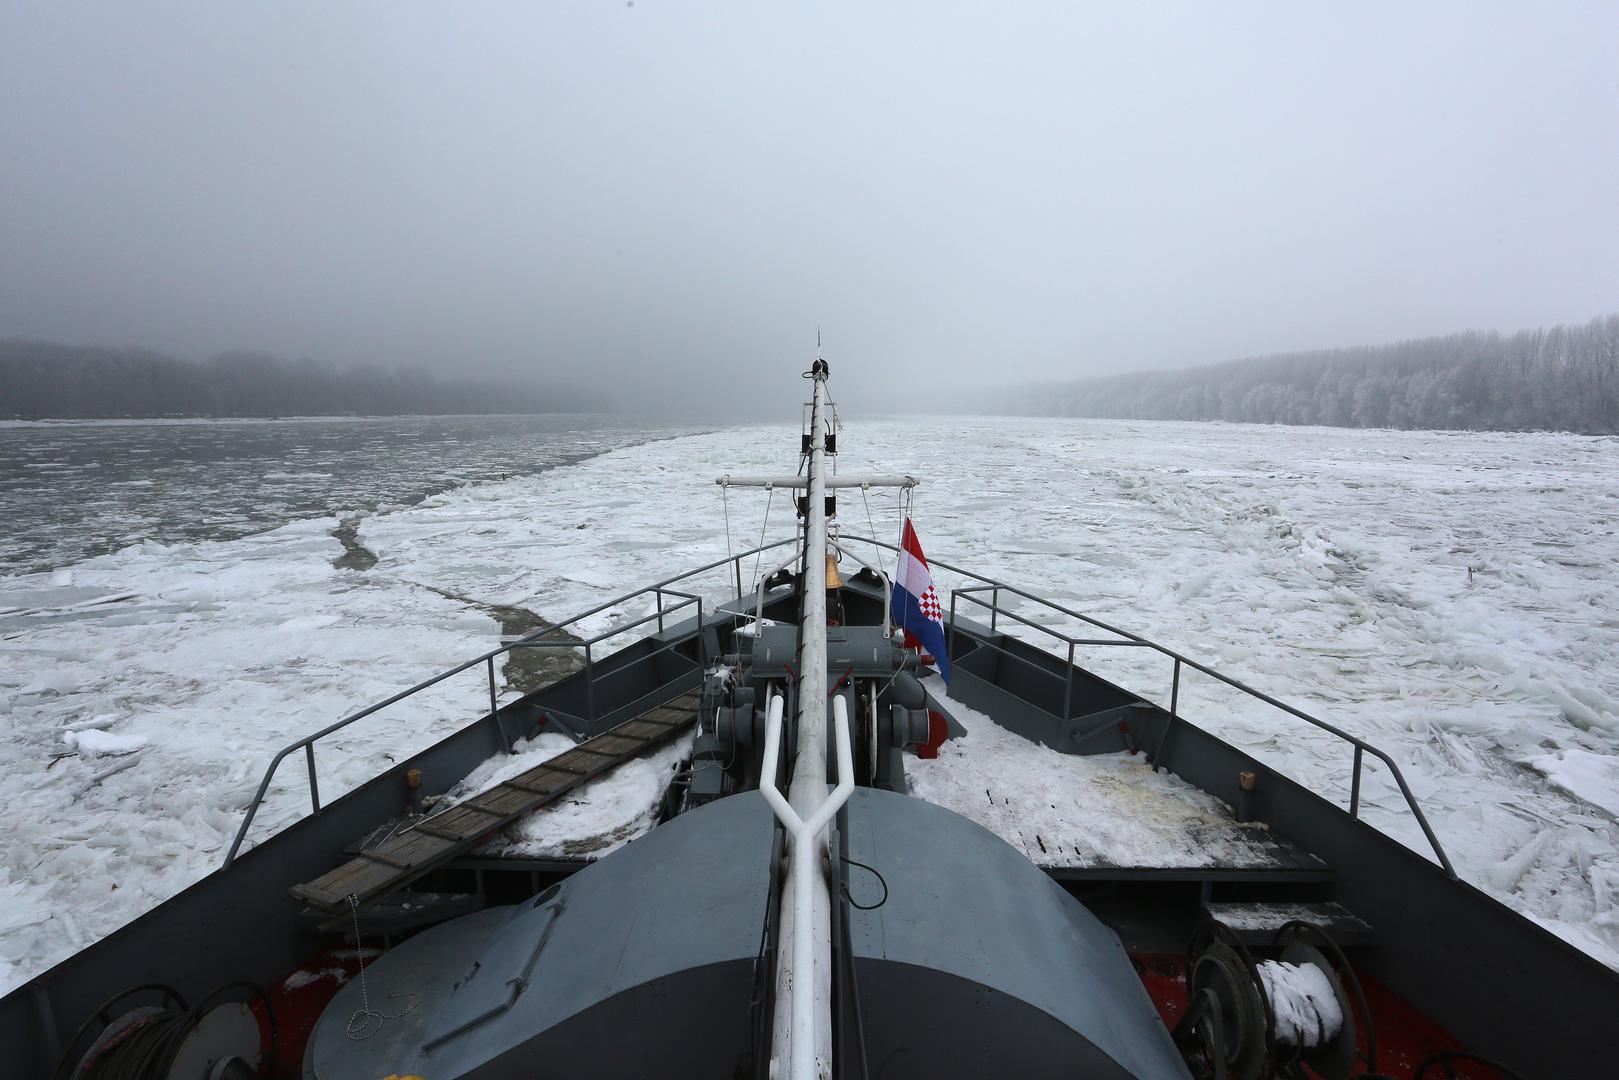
808 789
802 1028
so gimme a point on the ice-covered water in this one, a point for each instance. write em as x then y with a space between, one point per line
1447 596
73 489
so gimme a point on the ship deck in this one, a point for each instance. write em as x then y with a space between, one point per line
1102 816
1098 816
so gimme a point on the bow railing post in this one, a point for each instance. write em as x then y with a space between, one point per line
1354 785
1169 725
314 783
590 685
493 705
1068 685
955 632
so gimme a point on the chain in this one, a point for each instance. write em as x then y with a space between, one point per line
362 1017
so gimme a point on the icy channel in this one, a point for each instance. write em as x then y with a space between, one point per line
1447 596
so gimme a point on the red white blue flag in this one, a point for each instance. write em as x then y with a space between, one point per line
915 604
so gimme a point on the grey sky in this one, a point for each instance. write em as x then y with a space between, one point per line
671 196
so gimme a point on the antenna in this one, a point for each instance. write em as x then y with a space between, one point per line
817 341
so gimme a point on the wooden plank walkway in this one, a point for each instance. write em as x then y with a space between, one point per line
377 871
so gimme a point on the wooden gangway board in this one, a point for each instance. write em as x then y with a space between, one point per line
431 842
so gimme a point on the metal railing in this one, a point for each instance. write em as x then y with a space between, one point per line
972 594
534 640
1125 639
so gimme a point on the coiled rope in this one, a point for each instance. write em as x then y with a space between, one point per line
146 1049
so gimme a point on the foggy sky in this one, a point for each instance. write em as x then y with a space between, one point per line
665 199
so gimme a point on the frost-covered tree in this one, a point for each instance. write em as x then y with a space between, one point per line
1563 378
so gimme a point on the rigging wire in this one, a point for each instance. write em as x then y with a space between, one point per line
872 525
770 497
725 503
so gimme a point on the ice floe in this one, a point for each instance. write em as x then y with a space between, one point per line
1447 596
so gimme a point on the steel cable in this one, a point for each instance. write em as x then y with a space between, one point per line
147 1048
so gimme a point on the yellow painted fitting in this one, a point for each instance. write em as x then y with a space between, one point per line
833 579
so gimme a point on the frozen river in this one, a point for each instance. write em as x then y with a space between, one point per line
1450 597
73 489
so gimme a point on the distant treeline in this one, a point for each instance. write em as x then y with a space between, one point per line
39 380
1562 379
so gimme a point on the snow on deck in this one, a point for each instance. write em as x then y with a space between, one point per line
1270 916
1101 810
594 819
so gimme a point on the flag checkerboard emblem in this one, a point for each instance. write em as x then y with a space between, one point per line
930 606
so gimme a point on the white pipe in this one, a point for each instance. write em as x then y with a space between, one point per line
888 584
800 482
802 1029
759 612
767 767
807 1060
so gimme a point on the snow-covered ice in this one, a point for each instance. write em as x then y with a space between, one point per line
1070 810
1585 774
215 663
1447 596
90 742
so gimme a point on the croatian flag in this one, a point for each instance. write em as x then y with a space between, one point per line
915 604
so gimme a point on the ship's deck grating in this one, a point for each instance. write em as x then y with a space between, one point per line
378 870
1098 815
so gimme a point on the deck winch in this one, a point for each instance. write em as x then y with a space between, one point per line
217 1039
1250 1018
